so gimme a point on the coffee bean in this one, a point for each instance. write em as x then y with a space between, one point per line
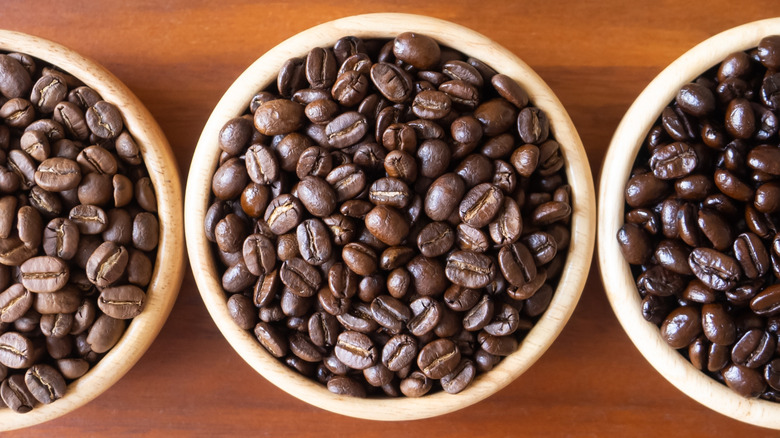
469 269
15 394
714 268
427 314
16 350
480 205
44 274
391 81
14 303
387 224
302 279
438 358
106 265
279 116
356 350
415 49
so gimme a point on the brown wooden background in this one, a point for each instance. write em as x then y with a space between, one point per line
180 56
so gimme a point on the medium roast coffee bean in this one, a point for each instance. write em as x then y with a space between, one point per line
417 149
356 350
45 383
438 358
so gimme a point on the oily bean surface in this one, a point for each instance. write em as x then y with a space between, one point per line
390 219
701 221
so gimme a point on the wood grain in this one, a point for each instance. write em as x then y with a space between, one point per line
179 57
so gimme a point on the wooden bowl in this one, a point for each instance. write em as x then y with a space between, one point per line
169 266
615 271
262 73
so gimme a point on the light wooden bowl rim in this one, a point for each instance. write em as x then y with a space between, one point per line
615 272
257 77
169 267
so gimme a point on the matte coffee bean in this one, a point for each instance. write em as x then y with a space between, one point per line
107 264
44 274
14 303
15 394
45 383
16 350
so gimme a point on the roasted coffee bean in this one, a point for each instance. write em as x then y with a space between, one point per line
302 279
682 326
387 224
427 314
16 350
45 383
754 349
44 274
715 269
107 264
356 350
481 205
438 358
391 81
279 116
15 394
435 239
418 50
517 264
283 214
745 381
469 269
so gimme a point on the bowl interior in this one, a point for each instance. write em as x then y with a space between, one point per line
169 266
615 271
263 72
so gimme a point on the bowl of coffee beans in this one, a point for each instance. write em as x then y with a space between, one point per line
390 216
90 230
689 220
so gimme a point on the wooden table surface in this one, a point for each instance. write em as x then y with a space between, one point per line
180 56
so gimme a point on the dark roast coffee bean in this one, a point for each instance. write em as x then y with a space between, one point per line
302 279
682 326
278 116
418 50
715 269
469 269
387 224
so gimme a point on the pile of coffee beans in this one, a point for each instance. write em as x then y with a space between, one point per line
390 217
703 222
78 230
